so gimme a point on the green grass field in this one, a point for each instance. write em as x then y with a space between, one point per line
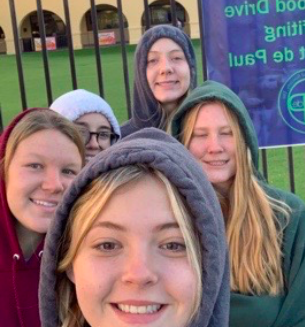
114 93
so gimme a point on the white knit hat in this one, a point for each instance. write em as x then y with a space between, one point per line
75 104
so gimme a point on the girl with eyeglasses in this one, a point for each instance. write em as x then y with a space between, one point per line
94 117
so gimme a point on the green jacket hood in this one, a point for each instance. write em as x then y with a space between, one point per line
211 90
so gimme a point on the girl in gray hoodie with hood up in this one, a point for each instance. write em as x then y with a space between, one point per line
139 239
164 73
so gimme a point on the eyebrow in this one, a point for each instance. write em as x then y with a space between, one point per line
166 226
174 50
202 128
120 228
99 128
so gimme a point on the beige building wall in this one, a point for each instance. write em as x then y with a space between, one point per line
133 11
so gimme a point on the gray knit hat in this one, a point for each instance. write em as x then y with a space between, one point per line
75 104
153 148
145 111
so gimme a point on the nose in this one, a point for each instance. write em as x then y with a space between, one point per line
93 144
139 270
166 66
52 181
214 144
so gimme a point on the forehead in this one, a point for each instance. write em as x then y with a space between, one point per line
165 45
48 143
212 114
93 120
139 205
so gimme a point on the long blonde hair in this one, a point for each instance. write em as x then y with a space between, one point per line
254 233
86 210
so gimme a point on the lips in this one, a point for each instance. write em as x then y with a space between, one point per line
167 84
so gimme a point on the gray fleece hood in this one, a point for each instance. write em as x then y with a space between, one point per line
145 110
162 152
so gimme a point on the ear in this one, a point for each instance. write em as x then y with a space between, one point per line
70 274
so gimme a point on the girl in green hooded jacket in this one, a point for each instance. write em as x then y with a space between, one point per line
265 226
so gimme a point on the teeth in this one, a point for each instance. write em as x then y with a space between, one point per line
44 203
139 310
217 163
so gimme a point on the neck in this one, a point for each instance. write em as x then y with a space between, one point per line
223 194
169 108
28 240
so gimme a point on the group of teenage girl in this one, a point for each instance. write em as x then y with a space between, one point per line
164 221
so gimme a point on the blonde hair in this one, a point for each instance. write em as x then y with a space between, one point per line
254 234
86 210
36 121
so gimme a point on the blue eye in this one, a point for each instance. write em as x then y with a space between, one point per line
227 133
177 58
174 247
199 135
69 172
151 61
108 246
35 165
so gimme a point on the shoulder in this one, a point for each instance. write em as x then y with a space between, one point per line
128 128
295 203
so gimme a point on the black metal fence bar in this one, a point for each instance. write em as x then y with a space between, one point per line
265 164
147 15
95 29
291 168
97 48
174 12
124 57
18 54
202 40
70 44
42 33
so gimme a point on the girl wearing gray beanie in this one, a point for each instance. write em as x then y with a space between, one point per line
138 240
165 70
94 117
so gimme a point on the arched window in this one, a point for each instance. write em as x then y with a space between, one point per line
107 17
53 24
160 13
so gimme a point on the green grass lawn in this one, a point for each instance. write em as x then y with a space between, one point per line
114 93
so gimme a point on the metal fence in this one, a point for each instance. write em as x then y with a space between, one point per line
68 41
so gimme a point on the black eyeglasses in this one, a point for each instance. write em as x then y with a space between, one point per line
101 137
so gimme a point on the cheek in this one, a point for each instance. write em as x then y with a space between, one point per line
196 149
186 73
181 284
149 77
92 279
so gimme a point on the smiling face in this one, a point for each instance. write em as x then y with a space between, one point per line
132 268
213 145
42 167
168 73
95 123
